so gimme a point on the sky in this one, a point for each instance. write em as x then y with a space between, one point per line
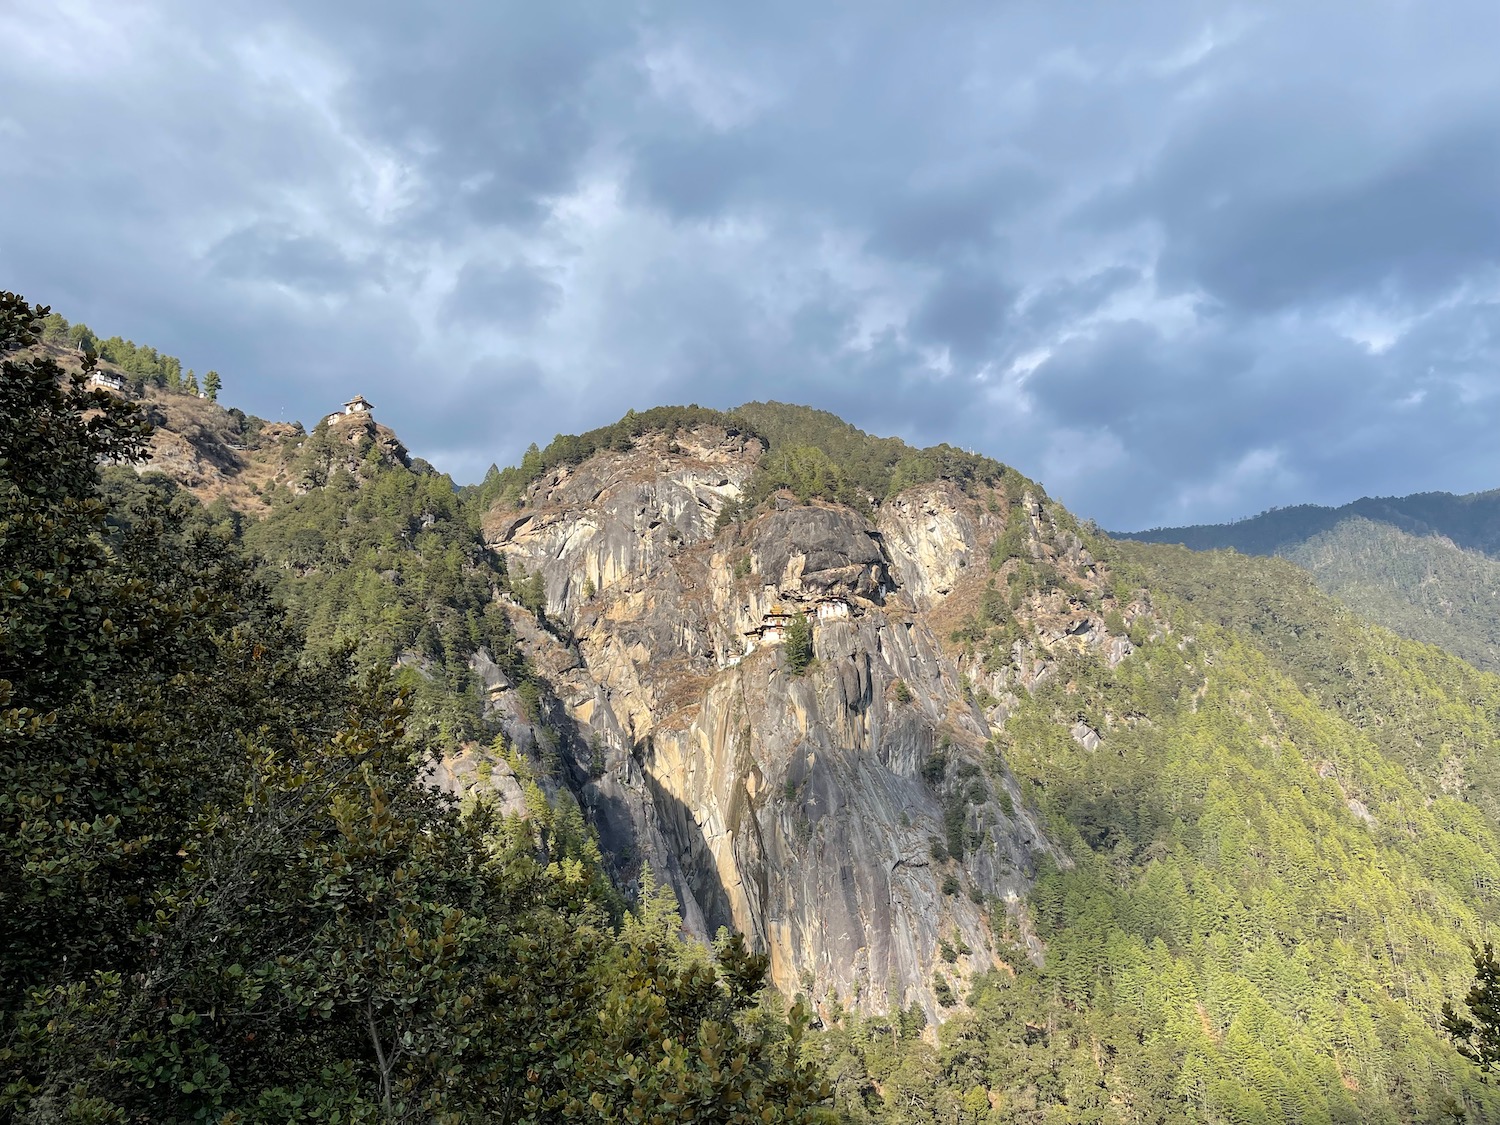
1180 261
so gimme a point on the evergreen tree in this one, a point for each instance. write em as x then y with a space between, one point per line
211 386
799 644
1478 1039
82 339
55 329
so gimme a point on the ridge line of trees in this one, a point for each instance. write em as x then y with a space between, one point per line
812 453
143 363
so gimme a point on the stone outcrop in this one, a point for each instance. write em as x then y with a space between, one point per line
817 813
217 453
856 820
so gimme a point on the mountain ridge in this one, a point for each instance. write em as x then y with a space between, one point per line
1469 520
1216 824
1424 565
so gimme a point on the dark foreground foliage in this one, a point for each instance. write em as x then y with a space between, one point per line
227 894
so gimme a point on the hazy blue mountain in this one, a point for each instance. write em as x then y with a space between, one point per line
1471 521
1426 566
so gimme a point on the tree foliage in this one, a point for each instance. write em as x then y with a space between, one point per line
1468 520
1279 855
381 557
817 454
507 486
799 644
1478 1038
229 894
140 362
811 453
1424 566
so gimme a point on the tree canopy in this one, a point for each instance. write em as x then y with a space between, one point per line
229 893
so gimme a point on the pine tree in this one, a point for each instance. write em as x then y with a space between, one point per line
1478 1039
799 644
55 329
211 385
82 339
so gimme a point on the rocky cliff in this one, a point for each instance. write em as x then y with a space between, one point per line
856 819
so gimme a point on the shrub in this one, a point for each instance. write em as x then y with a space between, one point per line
943 991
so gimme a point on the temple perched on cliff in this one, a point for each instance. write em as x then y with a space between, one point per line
772 627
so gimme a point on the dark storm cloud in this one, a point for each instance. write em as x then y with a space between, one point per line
1070 300
965 312
264 252
512 295
1410 226
695 177
1180 260
953 221
498 102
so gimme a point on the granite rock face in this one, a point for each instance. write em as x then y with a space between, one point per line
851 820
857 820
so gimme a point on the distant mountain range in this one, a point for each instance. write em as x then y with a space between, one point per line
1426 565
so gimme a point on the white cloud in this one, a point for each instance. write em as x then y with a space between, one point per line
714 89
1236 484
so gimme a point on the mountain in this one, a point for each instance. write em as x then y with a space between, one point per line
1048 789
1471 521
1426 566
624 632
1044 825
799 807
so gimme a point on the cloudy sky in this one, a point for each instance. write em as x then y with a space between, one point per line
1179 260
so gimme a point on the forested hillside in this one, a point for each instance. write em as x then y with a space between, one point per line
1284 835
377 555
142 364
1238 839
1422 587
812 453
1471 521
1281 828
1424 566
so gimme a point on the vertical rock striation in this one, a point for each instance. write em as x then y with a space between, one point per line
853 819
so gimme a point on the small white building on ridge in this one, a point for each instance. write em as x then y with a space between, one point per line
356 405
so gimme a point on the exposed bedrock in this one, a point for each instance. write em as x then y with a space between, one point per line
817 813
